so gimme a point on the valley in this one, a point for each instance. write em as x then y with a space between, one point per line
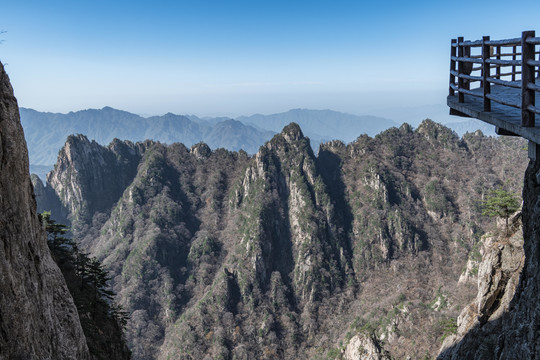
286 254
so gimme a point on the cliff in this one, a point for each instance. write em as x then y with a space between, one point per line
89 178
504 320
38 319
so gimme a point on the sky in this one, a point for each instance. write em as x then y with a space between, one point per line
231 58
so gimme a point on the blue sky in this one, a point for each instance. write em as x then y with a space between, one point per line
241 57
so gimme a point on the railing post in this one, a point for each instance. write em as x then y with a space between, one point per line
467 67
527 77
486 72
452 66
514 57
498 67
461 96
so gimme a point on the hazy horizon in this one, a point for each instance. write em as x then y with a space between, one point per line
213 58
371 106
409 114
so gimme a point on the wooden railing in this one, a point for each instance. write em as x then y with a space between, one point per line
515 65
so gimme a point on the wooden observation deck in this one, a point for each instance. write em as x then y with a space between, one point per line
495 81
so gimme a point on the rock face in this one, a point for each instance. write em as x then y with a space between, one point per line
363 347
45 195
504 321
521 328
38 319
89 178
285 254
498 277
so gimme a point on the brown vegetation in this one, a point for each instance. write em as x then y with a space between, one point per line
287 254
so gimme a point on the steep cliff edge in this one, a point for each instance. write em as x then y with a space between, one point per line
38 319
479 324
90 178
504 323
521 337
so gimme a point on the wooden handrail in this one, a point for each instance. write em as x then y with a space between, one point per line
510 73
500 100
466 59
470 92
468 43
466 77
533 87
506 42
522 63
504 83
503 62
533 40
533 109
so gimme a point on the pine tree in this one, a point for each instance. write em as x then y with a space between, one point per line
88 283
62 247
500 203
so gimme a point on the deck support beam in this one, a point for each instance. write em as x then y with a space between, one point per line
534 150
504 132
458 113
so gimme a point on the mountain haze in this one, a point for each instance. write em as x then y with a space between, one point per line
46 132
322 125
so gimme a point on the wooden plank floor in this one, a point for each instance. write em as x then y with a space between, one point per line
502 116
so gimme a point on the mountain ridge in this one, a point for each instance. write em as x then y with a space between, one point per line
284 253
322 125
46 131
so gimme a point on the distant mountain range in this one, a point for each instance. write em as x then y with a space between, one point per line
322 125
470 126
46 132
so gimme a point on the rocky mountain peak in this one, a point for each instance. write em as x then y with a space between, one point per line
406 128
332 146
79 146
201 150
435 131
292 132
89 178
290 143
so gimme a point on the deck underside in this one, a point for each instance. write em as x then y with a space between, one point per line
503 117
